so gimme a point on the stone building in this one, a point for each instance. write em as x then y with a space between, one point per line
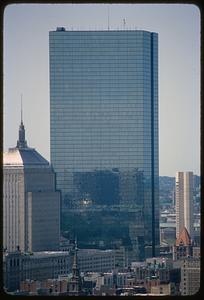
184 203
190 276
183 247
31 204
95 260
19 266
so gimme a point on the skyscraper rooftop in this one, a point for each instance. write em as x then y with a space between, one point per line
22 154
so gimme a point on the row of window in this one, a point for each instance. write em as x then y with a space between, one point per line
100 44
101 47
102 130
109 64
115 94
89 105
92 165
96 97
100 121
97 35
95 127
112 67
128 37
110 33
115 57
127 78
105 58
101 142
124 73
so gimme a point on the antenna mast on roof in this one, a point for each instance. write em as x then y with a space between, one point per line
21 109
124 23
108 18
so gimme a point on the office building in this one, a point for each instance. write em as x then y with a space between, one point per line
184 203
31 204
96 260
190 276
104 134
19 266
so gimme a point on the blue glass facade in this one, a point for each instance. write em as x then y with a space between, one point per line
104 126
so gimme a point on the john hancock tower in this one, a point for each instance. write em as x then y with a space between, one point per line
104 137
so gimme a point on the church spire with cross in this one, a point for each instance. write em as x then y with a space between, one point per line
21 143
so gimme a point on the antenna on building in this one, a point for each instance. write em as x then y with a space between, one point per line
108 18
21 108
124 23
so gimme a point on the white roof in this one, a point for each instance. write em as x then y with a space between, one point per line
12 158
22 157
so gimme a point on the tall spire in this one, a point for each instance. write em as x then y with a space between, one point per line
21 110
75 262
21 143
75 284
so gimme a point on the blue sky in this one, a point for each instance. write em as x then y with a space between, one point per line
26 70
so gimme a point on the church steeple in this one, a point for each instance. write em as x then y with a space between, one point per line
21 143
75 262
75 284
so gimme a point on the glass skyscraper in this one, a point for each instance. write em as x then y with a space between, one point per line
104 135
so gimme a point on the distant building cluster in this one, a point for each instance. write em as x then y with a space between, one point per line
161 276
54 272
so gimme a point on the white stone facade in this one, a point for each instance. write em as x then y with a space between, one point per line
31 204
184 202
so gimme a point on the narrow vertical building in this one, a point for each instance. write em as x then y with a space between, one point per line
184 203
104 134
31 204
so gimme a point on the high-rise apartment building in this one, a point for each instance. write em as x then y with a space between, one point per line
184 203
31 204
104 132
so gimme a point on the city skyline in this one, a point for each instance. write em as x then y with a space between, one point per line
178 39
